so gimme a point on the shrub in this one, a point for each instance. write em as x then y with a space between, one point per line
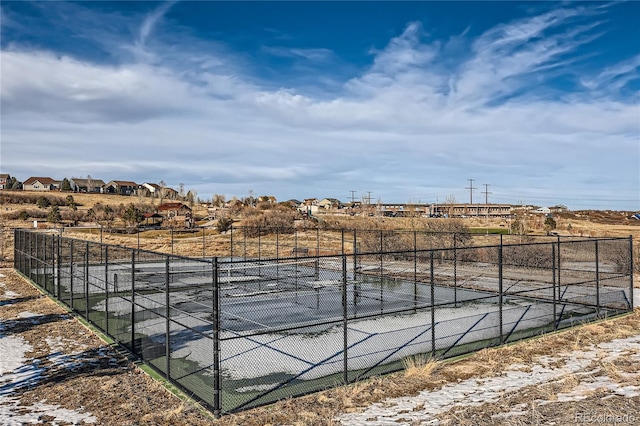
278 219
43 202
223 224
26 214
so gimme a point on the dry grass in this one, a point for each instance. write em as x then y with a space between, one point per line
123 395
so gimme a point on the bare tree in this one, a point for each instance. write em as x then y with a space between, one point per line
449 202
218 200
191 197
162 194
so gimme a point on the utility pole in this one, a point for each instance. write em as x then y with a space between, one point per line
471 188
486 203
486 193
368 197
353 196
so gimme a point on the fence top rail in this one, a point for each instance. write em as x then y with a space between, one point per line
227 260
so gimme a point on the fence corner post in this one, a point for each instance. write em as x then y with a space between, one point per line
631 271
345 337
216 337
500 290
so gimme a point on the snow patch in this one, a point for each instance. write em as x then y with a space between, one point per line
14 414
478 391
12 349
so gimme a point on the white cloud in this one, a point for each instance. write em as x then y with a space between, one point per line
410 126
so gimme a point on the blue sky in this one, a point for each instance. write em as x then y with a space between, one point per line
402 100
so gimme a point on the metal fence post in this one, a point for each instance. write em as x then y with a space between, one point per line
44 265
71 274
167 319
553 291
58 264
415 270
216 339
500 288
559 270
133 302
31 254
86 281
106 289
230 231
597 277
381 275
345 359
355 254
433 306
455 271
631 271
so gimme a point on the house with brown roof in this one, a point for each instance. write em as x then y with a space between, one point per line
40 184
173 209
176 213
86 185
121 187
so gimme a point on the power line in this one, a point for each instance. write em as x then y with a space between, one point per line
353 196
471 188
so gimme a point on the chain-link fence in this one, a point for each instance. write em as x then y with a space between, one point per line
238 332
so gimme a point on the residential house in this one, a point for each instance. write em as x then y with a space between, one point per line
267 199
150 189
309 206
171 194
40 184
5 180
330 203
176 213
87 185
121 187
543 210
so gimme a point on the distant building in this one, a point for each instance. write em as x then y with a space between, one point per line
40 184
543 210
5 179
87 185
330 203
121 187
176 213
